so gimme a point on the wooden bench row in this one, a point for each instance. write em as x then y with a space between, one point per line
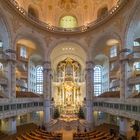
93 135
40 134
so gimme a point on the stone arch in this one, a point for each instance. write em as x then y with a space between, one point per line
131 32
5 31
56 43
36 40
68 49
101 40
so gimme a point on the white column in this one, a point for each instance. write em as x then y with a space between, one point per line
9 125
47 91
47 111
124 73
11 59
89 112
89 91
125 128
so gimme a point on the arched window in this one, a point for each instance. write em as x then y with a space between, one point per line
97 80
102 12
136 43
137 66
1 66
113 51
23 52
1 44
31 76
137 88
33 13
68 22
39 79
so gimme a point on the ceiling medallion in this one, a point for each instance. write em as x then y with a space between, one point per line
67 4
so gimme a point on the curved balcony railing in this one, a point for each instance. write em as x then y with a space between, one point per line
133 80
3 78
14 109
79 29
115 83
130 108
21 83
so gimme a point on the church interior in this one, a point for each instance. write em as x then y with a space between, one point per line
69 70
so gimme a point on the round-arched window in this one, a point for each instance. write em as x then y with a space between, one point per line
1 66
68 22
102 12
32 12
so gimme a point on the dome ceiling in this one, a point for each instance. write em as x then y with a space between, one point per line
51 11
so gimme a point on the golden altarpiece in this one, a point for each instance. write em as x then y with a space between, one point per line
68 93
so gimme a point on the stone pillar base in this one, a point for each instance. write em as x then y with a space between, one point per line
47 111
89 114
125 128
9 125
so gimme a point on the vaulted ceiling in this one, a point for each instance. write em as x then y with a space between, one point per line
50 11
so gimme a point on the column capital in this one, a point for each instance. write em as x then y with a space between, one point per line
10 55
47 65
89 65
124 55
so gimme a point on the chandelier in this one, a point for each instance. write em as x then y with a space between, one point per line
67 5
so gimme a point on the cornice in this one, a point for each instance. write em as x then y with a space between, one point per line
53 29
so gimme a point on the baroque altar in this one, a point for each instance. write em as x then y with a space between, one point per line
69 94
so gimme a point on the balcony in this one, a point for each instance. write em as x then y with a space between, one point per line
1 93
3 79
115 83
133 80
26 94
24 75
110 94
10 55
111 59
129 109
23 59
136 49
21 66
3 57
135 56
21 83
113 75
10 109
115 66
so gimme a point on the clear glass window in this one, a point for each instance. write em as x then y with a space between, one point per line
113 51
136 43
39 79
23 52
137 87
1 66
1 44
137 66
97 80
